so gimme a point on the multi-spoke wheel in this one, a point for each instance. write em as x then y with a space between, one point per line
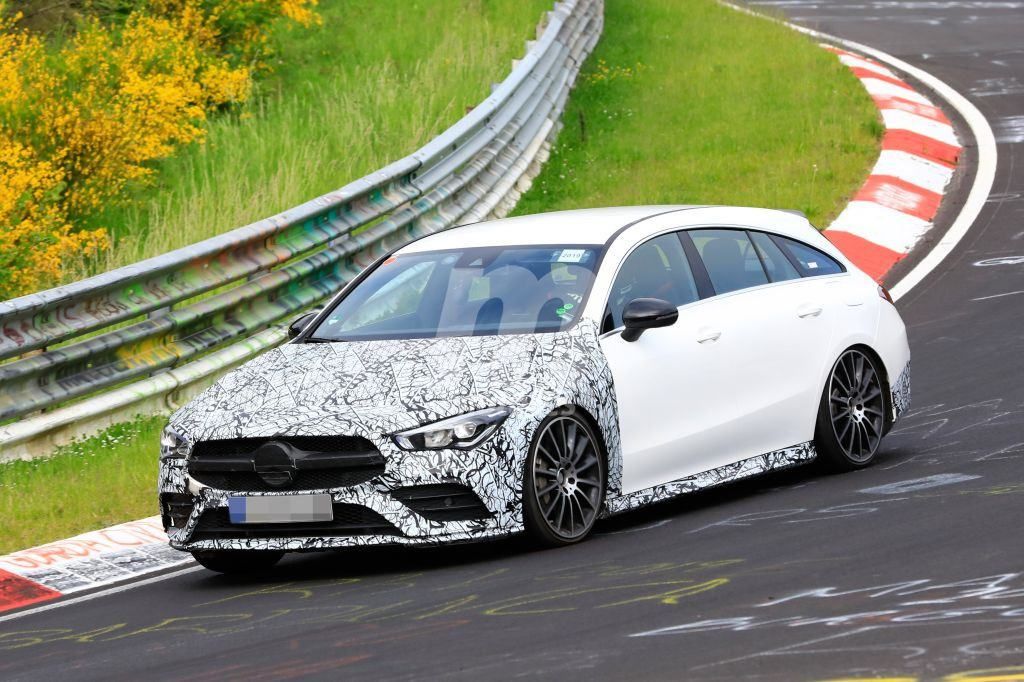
851 417
564 480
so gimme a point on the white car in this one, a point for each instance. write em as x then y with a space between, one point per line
536 374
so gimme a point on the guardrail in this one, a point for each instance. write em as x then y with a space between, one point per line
151 342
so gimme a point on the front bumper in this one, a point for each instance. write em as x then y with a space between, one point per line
492 471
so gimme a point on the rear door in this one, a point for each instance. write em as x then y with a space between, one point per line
773 329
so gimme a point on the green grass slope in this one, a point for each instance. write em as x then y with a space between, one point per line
691 102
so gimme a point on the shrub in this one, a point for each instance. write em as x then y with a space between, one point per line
82 122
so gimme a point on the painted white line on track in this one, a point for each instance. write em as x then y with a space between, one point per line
900 487
984 175
1008 293
102 593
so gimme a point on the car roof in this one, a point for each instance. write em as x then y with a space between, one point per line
600 225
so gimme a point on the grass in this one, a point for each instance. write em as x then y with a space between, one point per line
100 481
691 102
372 84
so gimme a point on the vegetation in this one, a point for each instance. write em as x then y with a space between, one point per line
95 483
338 105
691 102
84 116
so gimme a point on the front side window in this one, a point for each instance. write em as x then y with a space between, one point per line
812 261
466 292
656 269
730 259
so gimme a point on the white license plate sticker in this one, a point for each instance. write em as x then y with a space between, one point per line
280 509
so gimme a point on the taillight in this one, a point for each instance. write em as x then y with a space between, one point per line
884 293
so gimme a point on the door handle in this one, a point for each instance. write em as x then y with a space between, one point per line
808 310
707 334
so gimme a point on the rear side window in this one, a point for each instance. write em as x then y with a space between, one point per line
775 262
812 262
656 269
730 259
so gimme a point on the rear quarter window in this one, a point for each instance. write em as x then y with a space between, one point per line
811 261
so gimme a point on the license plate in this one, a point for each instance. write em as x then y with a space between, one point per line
280 509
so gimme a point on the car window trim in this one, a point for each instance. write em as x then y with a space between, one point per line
705 288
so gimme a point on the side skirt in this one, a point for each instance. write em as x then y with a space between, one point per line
771 461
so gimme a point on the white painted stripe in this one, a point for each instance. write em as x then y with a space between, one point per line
896 119
879 87
102 593
884 226
914 169
867 65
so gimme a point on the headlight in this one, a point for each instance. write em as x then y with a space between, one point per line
462 432
173 445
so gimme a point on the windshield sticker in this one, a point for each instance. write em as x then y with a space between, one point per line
571 255
811 265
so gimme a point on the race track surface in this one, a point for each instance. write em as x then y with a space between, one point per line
914 567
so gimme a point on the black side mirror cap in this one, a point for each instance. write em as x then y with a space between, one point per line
641 314
300 323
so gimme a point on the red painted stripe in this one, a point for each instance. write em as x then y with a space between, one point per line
925 110
873 259
900 195
863 73
921 145
16 592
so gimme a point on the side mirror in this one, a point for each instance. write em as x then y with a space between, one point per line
300 323
641 314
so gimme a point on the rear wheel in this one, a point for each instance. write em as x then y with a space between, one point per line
564 481
851 415
237 561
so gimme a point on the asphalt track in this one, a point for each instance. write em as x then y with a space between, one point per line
914 567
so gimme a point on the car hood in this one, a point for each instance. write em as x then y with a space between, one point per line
374 386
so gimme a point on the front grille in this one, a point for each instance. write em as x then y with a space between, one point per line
325 462
349 520
442 502
175 508
245 446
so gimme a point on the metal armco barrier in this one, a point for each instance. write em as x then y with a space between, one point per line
166 342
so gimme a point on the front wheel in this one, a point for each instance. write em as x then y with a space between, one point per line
237 561
851 415
564 481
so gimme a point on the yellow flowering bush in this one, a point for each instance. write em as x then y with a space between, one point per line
81 123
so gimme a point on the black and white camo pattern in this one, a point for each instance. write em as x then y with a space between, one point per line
376 388
778 459
373 389
901 393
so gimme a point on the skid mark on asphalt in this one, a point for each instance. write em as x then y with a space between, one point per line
918 618
902 487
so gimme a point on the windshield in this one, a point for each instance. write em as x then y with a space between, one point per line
466 292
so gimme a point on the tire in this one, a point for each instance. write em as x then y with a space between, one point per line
564 481
851 414
237 561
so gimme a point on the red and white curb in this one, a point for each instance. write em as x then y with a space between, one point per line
901 196
86 561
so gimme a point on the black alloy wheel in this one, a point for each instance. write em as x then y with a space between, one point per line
851 417
565 481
